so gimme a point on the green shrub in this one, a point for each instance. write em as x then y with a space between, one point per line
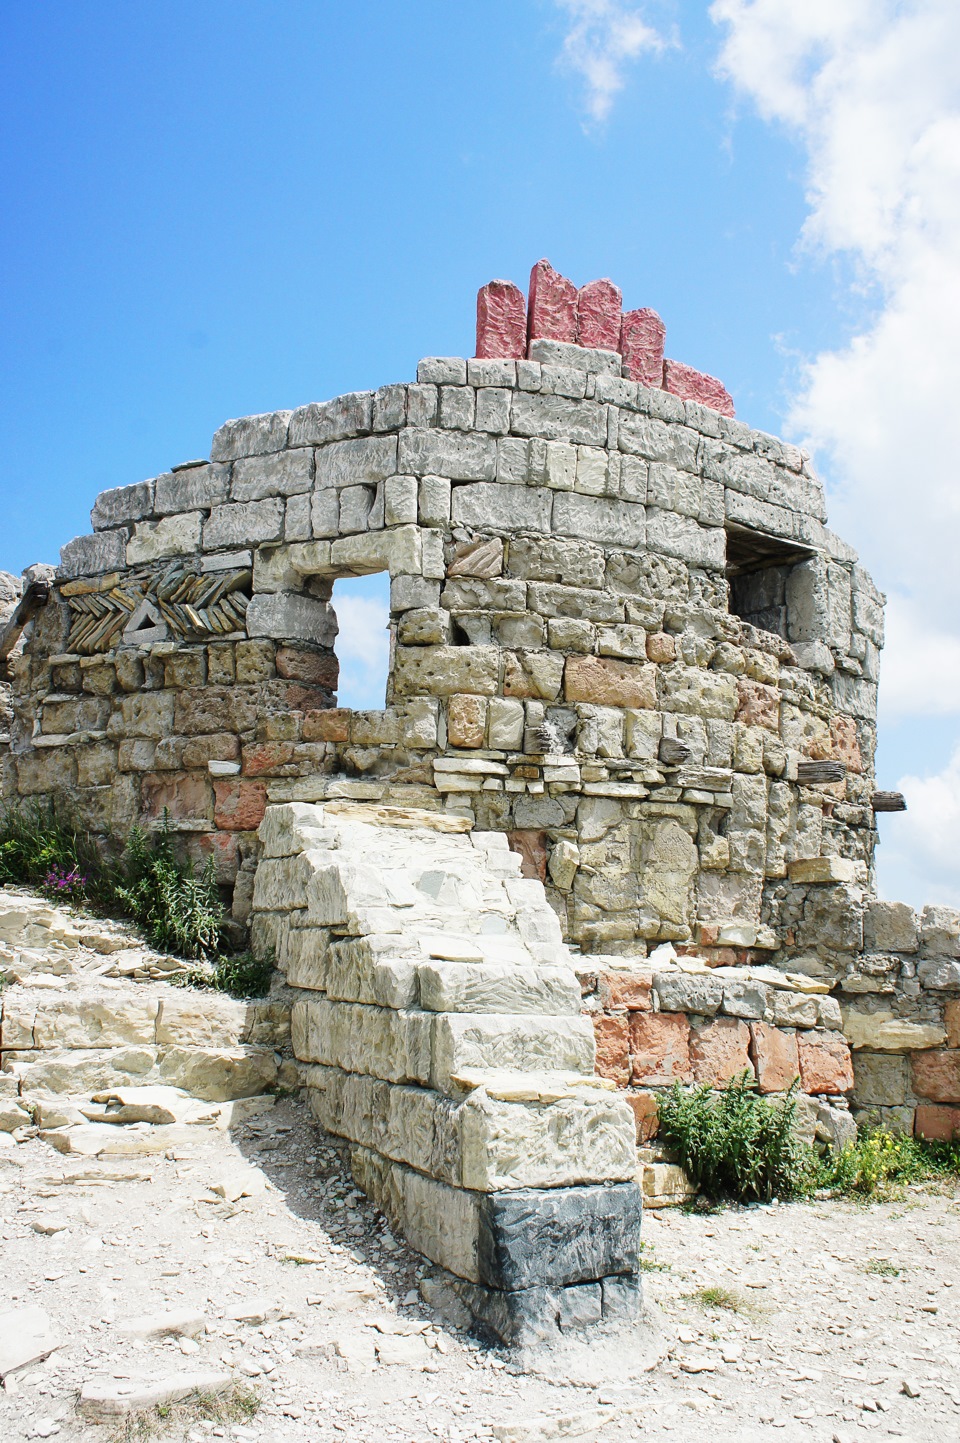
178 907
736 1143
880 1161
242 975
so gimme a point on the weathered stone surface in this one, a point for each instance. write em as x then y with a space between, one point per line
599 306
172 536
122 504
508 508
822 869
337 420
576 1139
546 1044
825 1062
660 1048
607 682
697 992
882 1032
87 555
501 320
251 436
102 1399
936 1075
195 488
558 1236
889 927
452 454
642 337
940 932
719 1050
775 1056
27 1335
693 385
497 987
552 312
291 616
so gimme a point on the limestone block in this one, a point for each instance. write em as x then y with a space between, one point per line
451 454
505 718
684 538
196 1019
557 418
507 508
541 1044
244 523
558 1236
81 1070
382 1042
439 1221
79 1020
195 488
697 992
882 1032
173 536
532 674
285 473
281 883
599 518
880 1081
338 891
219 1074
706 694
940 932
497 988
563 863
586 1138
292 616
552 559
290 827
445 670
353 974
794 1009
822 869
122 504
939 973
251 436
87 555
321 422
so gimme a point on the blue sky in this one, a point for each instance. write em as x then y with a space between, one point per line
215 208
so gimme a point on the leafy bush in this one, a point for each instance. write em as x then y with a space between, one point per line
736 1143
242 975
879 1161
178 907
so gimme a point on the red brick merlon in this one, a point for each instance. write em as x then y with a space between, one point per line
593 319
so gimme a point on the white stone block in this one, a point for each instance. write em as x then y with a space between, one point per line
173 536
492 987
543 1044
292 616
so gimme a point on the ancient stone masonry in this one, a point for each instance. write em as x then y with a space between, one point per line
622 637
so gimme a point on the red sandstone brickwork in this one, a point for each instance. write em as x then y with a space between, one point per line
599 307
825 1062
936 1075
775 1056
719 1050
660 1048
937 1124
691 385
613 1048
552 307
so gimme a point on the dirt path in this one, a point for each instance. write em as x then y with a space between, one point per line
837 1308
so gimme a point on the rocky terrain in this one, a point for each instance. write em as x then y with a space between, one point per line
156 1242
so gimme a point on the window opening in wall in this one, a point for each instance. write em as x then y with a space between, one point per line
758 569
362 606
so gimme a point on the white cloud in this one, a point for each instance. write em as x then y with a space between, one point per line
604 36
871 89
920 847
363 649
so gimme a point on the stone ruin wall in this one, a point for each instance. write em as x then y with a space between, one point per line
621 633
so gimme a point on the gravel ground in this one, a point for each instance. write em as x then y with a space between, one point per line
810 1321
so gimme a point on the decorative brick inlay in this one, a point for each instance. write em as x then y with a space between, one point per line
552 311
825 1062
775 1056
936 1075
660 1048
599 307
691 385
642 336
501 321
719 1050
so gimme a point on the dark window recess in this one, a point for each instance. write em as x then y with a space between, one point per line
757 571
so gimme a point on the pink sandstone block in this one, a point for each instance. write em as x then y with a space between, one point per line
599 307
552 311
501 321
642 335
691 385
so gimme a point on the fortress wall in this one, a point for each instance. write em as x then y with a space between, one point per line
565 666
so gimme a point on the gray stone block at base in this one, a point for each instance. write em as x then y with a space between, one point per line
534 1317
554 1237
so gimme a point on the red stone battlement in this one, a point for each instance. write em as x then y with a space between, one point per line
593 317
